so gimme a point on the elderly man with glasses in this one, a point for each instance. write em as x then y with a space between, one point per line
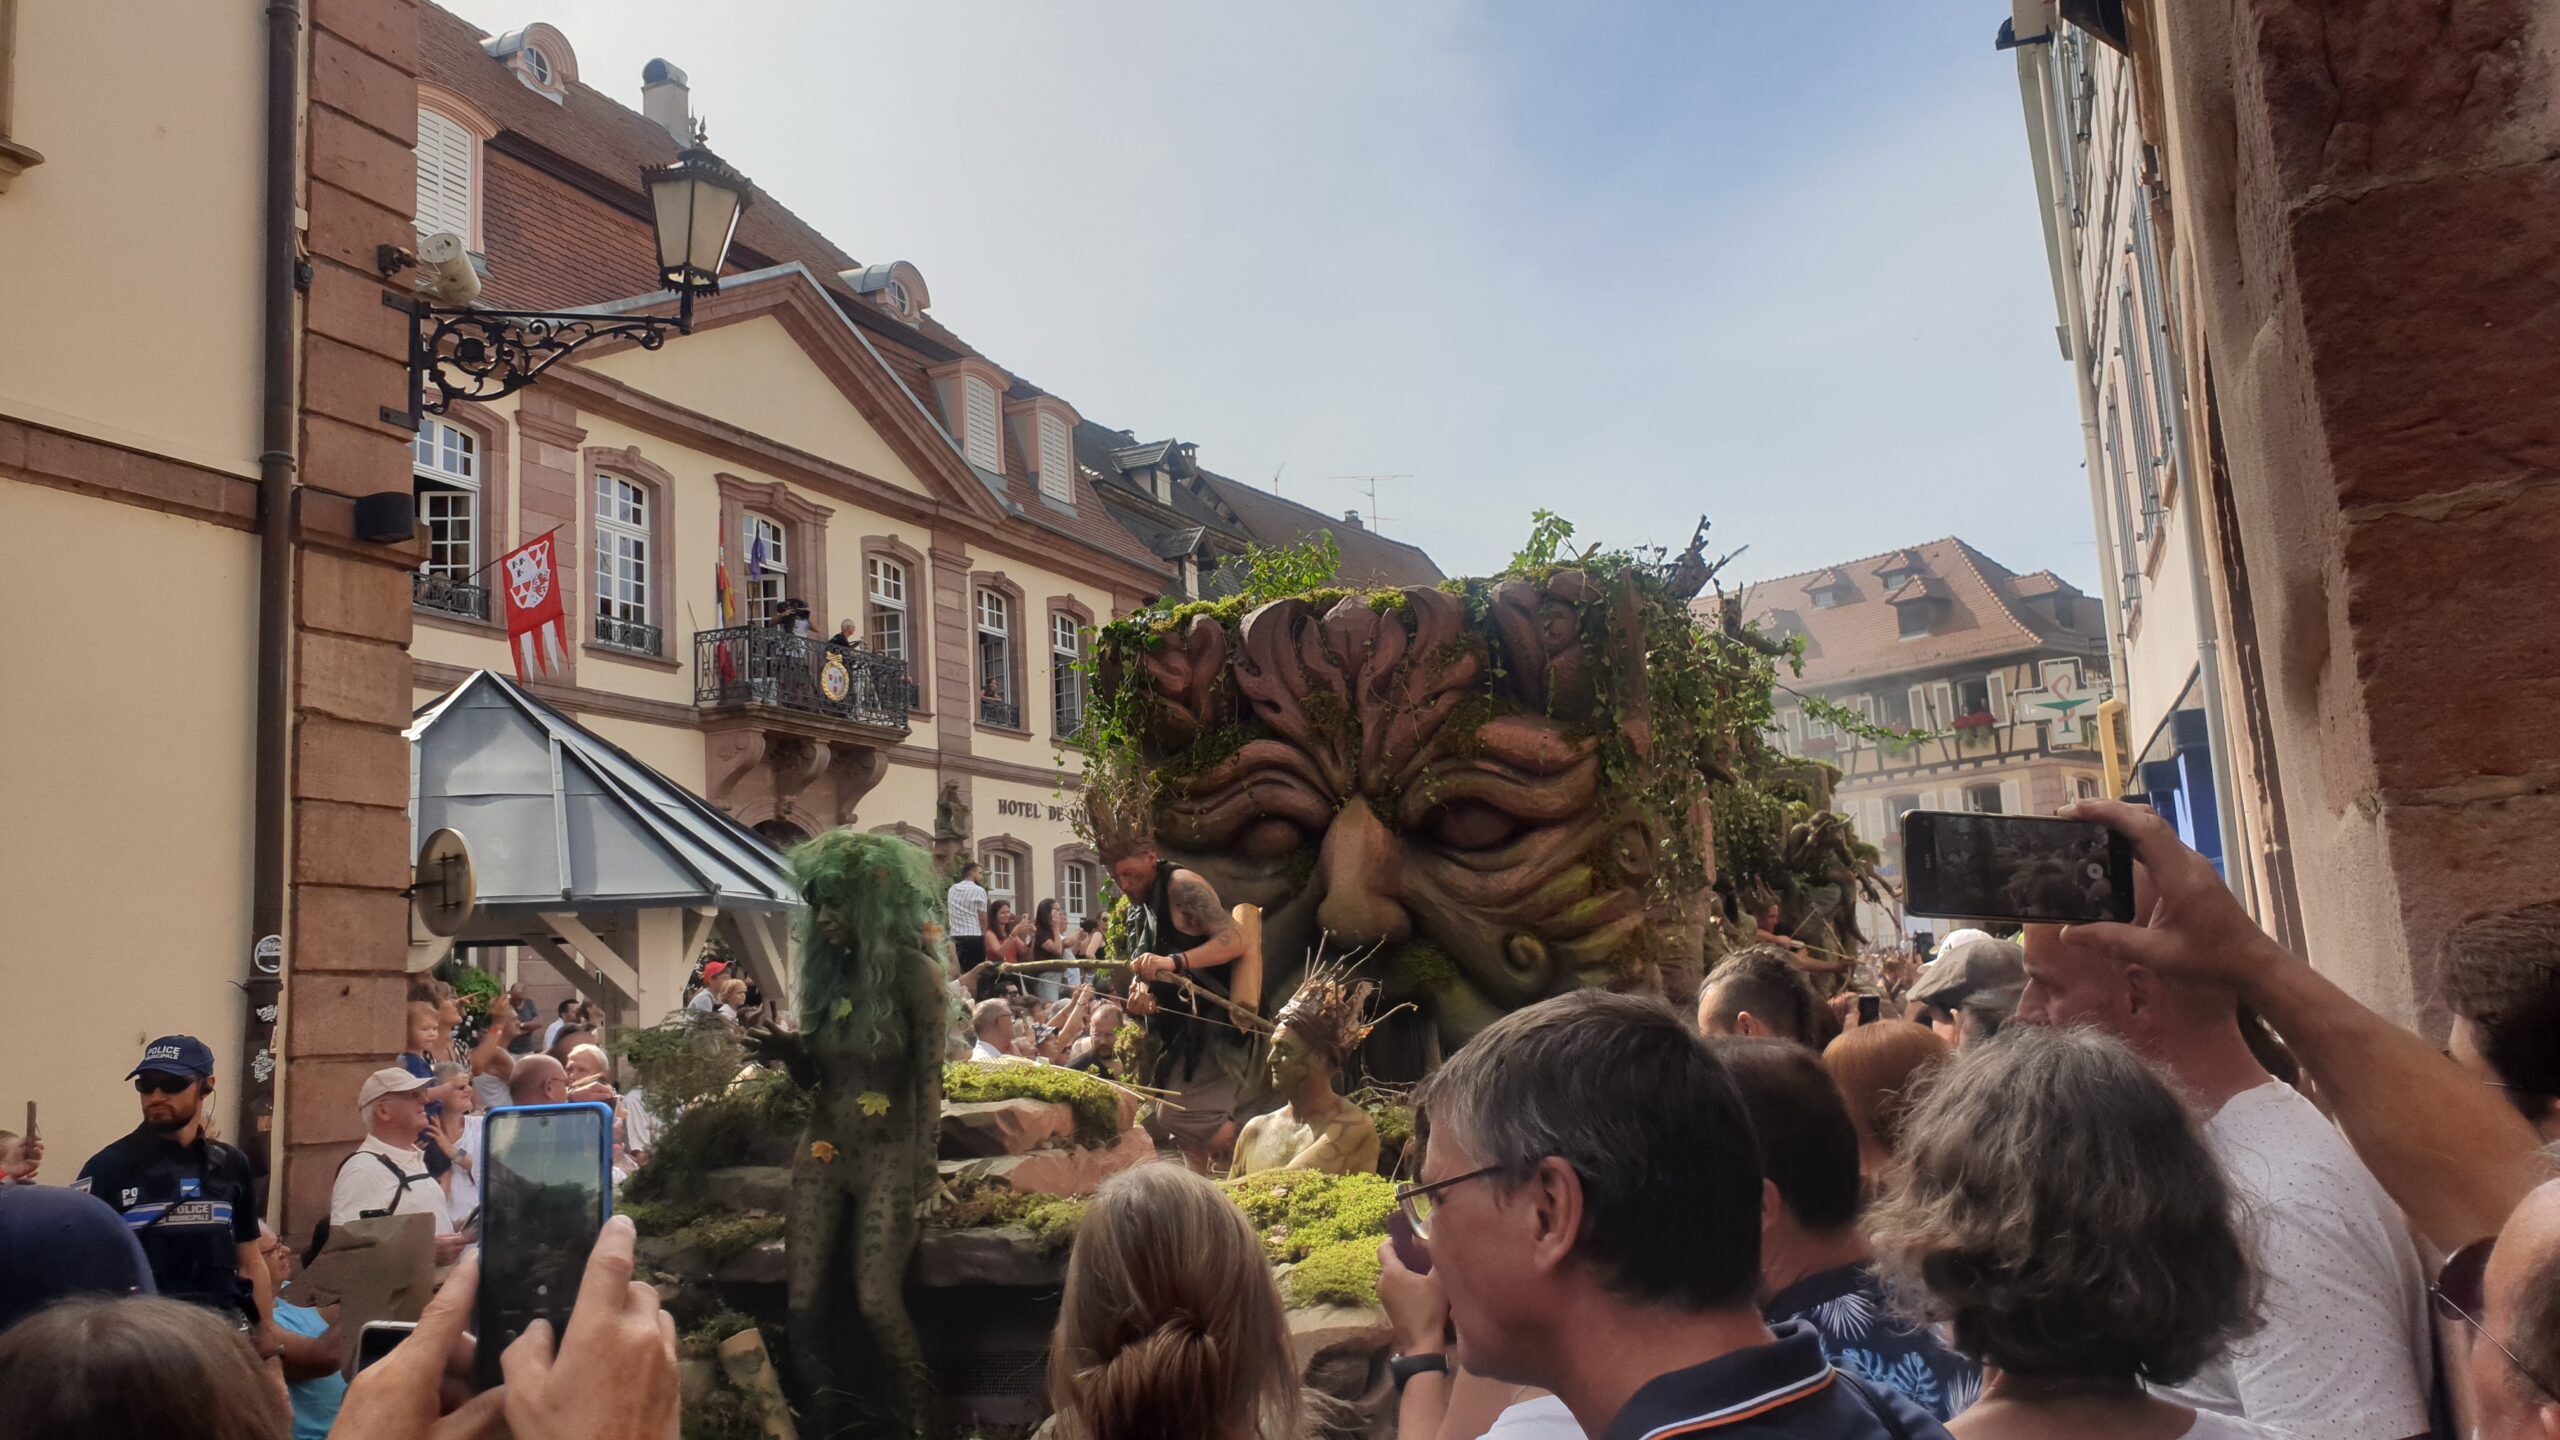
1591 1203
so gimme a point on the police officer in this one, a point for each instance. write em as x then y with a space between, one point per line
187 1197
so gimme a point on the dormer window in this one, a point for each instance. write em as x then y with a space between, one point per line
540 58
979 433
1829 597
1057 460
893 285
1914 615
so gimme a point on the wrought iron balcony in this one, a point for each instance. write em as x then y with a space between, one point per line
629 635
752 665
1002 713
446 595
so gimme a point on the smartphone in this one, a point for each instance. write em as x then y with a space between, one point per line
32 1133
2028 868
1409 1246
545 1192
1870 1008
379 1338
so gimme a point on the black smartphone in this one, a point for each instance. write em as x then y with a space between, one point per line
2028 868
378 1339
1409 1247
546 1192
1870 1007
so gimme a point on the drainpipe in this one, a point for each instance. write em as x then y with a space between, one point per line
2236 869
275 584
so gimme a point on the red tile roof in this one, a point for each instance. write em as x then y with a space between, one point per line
1368 558
1983 613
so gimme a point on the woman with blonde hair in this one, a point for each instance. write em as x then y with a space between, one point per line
1171 1324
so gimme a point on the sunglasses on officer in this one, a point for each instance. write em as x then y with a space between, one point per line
154 1083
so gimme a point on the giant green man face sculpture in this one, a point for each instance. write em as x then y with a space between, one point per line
1393 774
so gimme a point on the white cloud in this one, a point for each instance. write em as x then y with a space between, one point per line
1328 235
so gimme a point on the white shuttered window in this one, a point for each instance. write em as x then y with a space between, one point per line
1057 461
978 421
445 155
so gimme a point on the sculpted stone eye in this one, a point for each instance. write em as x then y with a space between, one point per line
1472 825
1269 839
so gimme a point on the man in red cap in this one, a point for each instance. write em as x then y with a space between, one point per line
707 999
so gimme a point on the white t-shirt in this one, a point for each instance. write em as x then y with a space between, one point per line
551 1036
964 901
2345 1348
639 1127
462 1182
365 1183
704 1001
981 1050
1544 1418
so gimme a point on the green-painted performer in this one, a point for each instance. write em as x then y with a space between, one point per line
873 1010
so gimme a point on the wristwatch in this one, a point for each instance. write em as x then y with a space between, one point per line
1405 1367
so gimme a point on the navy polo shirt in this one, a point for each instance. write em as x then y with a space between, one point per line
191 1206
1784 1389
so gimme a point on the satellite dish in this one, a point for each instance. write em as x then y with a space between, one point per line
442 889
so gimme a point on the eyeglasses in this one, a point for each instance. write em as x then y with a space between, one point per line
162 1084
2459 1293
1415 1200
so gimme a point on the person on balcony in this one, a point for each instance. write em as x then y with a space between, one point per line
845 638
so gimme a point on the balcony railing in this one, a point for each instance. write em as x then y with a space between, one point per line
1001 713
446 595
753 665
629 635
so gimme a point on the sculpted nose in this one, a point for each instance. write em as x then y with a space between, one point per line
1362 866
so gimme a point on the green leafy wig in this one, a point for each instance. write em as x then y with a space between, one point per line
874 921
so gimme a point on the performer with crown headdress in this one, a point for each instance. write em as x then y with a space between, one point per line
1182 942
1319 1030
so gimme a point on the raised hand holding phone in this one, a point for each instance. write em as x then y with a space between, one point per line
544 1201
612 1374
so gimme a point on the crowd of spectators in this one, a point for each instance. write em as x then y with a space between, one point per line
2099 1212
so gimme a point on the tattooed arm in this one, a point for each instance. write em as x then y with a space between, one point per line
1195 907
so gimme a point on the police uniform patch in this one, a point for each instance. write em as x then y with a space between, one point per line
132 1195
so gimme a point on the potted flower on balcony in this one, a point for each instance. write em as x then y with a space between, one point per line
1978 720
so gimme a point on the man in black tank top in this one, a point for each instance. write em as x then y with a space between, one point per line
1180 931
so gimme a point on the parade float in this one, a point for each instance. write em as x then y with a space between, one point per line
1438 803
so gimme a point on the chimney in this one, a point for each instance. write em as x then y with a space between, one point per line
1352 519
665 98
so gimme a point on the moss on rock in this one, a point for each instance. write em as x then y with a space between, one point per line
1342 1273
1097 1106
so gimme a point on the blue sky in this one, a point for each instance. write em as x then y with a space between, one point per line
1628 262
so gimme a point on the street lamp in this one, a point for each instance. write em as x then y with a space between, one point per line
471 354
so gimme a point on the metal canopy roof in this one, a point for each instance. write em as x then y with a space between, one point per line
559 818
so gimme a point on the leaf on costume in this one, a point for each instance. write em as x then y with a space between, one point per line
842 1010
822 1152
872 1102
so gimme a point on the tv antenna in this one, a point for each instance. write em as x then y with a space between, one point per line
1368 485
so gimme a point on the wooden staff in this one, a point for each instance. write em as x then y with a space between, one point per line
1247 1018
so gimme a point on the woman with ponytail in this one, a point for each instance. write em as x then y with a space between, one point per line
1171 1325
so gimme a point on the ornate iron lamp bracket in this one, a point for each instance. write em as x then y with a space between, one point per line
484 355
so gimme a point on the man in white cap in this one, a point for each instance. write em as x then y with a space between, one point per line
387 1174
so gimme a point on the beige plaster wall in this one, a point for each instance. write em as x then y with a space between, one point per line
124 861
135 220
753 375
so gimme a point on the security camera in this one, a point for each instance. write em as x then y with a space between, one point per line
444 271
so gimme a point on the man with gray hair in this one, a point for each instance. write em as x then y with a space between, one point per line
1591 1198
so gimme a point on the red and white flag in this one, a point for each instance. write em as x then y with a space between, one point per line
537 631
